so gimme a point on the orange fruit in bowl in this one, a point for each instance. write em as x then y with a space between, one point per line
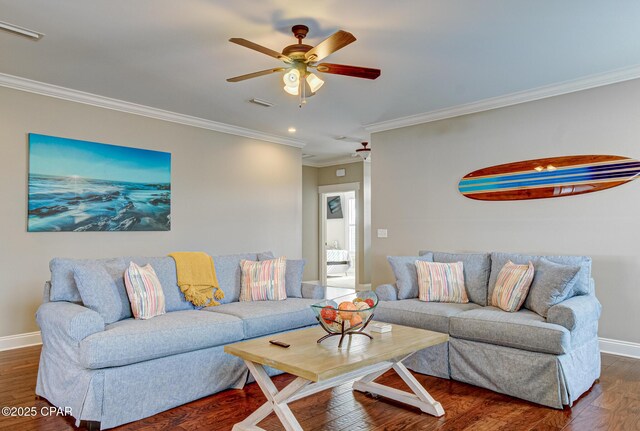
346 308
355 320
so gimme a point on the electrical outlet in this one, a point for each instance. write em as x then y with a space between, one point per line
382 233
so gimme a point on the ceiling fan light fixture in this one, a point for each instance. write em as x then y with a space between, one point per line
294 91
314 82
364 152
292 82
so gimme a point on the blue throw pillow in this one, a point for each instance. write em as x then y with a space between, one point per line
102 292
404 268
552 284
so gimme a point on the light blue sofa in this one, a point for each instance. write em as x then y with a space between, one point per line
550 361
132 369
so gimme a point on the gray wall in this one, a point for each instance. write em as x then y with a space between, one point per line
229 194
310 222
415 196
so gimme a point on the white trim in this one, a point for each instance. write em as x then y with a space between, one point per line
363 287
566 87
323 192
42 88
620 348
339 188
333 162
20 340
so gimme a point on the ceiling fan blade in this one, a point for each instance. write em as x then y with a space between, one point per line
342 69
270 52
336 41
255 74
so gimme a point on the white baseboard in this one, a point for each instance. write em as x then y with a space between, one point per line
620 348
21 340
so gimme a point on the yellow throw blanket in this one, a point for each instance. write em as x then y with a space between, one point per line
197 278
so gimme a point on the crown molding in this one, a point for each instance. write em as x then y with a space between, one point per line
42 88
585 83
334 162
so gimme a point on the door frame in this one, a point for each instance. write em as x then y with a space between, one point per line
323 192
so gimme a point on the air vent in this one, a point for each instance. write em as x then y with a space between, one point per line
21 31
261 102
307 156
347 139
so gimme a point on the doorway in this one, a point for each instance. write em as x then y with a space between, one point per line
339 235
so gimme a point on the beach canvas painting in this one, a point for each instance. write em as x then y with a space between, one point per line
83 186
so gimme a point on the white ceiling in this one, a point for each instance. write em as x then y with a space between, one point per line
175 55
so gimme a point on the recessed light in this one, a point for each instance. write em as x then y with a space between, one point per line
292 130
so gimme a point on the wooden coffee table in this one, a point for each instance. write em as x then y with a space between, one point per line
323 366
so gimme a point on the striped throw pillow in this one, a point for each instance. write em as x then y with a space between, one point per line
441 282
144 291
512 286
263 280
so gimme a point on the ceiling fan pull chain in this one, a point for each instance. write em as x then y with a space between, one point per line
302 93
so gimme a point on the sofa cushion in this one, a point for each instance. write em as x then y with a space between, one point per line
229 274
64 288
404 269
102 290
477 267
433 316
63 285
552 283
129 341
581 287
293 277
523 329
267 317
165 268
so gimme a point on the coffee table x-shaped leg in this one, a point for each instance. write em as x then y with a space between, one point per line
278 401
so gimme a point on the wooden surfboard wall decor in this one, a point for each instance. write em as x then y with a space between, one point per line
552 177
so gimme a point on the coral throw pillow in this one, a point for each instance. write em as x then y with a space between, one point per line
144 291
263 280
441 282
512 286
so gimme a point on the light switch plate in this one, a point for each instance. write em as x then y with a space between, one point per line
382 233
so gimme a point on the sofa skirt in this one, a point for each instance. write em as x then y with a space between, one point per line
118 395
433 361
542 378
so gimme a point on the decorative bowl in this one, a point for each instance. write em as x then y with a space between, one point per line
346 315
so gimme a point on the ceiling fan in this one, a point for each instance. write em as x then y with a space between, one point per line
299 58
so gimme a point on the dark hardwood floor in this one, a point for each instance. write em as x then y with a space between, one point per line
611 404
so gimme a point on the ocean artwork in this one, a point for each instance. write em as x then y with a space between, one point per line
79 186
